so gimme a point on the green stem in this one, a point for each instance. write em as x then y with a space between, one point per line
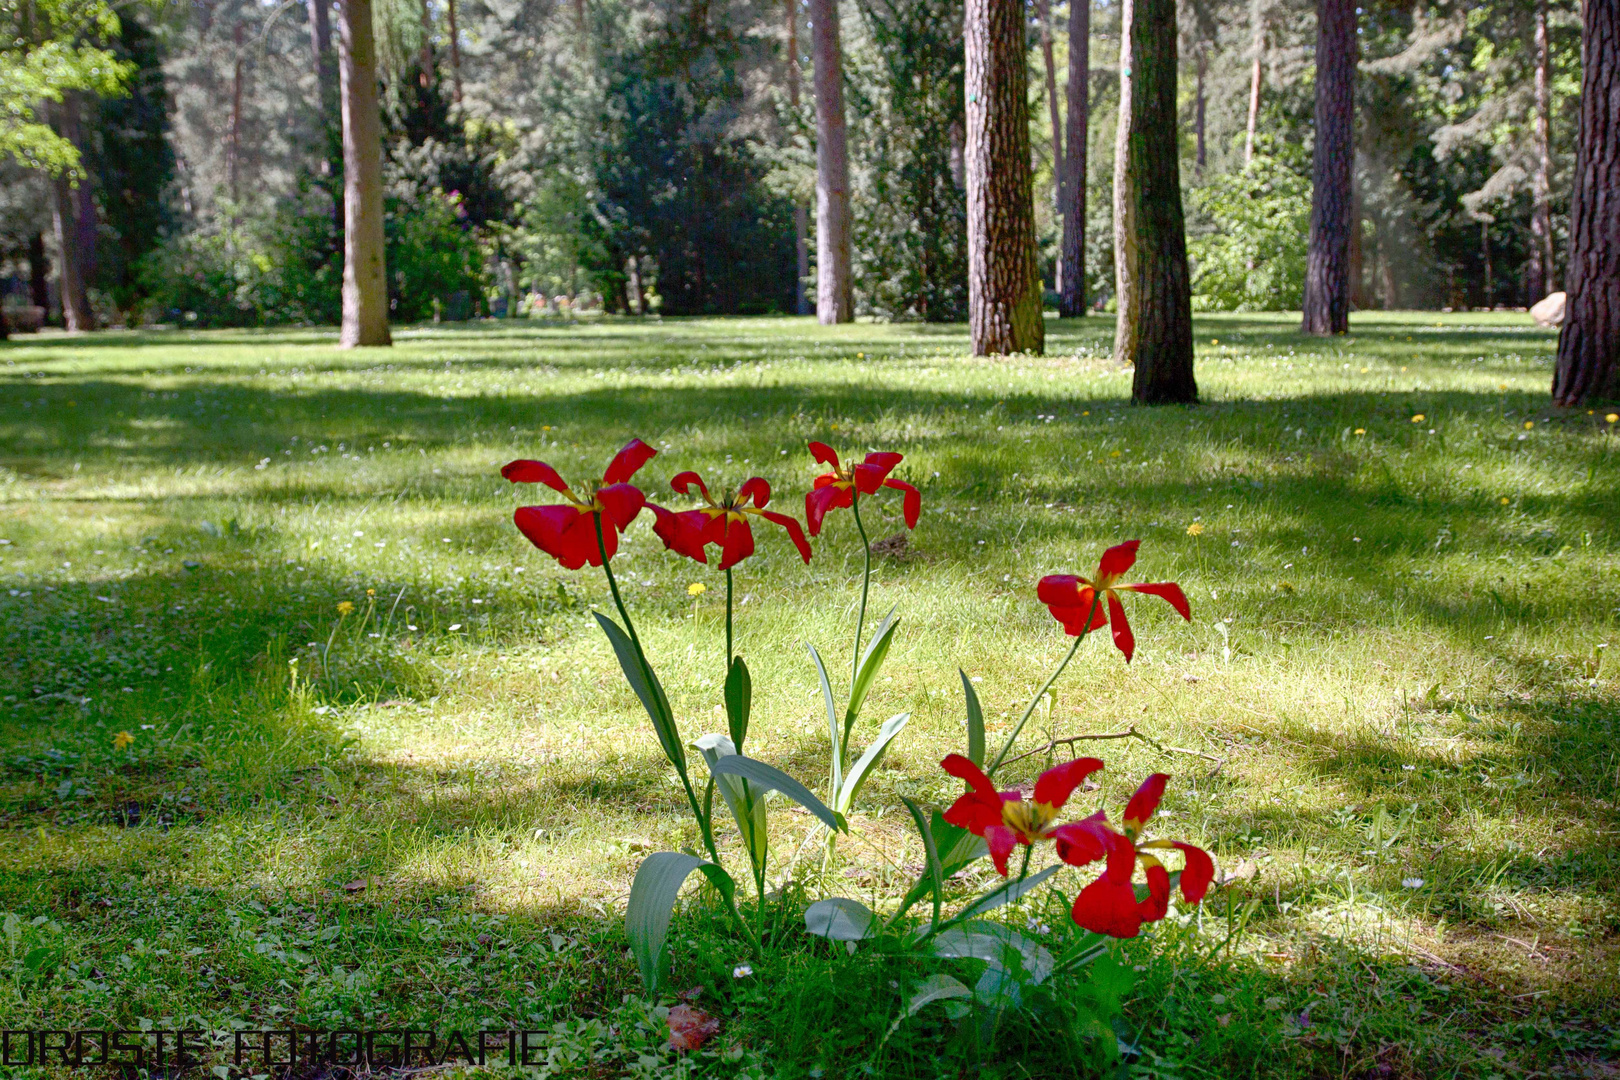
728 621
704 825
866 583
1023 871
1036 700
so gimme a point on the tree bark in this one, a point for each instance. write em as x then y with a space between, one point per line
1540 276
1004 286
72 262
835 292
365 283
1255 74
455 52
1163 354
39 291
801 212
1588 364
1045 10
1358 277
320 41
1127 297
1327 261
1072 287
1198 108
233 149
425 59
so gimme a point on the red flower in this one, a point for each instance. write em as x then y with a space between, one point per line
723 521
1005 820
1109 905
837 489
1071 598
568 532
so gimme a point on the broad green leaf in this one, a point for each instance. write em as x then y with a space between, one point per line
998 945
869 761
832 725
932 989
651 694
1006 894
936 875
653 893
871 661
838 919
771 777
975 721
745 799
739 700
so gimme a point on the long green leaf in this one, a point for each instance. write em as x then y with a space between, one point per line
651 695
653 893
862 769
777 780
832 725
871 661
745 799
936 873
1006 894
932 989
739 701
975 721
957 848
840 919
998 944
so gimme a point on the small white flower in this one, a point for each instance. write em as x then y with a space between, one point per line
1412 883
742 971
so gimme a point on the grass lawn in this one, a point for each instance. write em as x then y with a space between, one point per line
1401 564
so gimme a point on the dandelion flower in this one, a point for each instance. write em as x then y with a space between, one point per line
1612 417
345 607
697 588
1361 431
1364 371
1528 424
122 739
1504 500
1419 418
1214 341
371 592
1114 454
1196 529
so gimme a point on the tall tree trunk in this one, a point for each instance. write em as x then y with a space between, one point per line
1255 74
73 262
1072 286
1045 7
801 212
1198 108
1358 277
233 158
835 291
1127 296
39 290
1541 279
455 52
1485 257
1327 261
1004 285
1163 342
365 282
320 41
1588 364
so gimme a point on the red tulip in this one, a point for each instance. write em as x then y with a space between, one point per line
1071 599
1109 905
722 521
567 532
837 489
1005 820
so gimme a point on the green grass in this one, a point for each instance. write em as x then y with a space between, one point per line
429 810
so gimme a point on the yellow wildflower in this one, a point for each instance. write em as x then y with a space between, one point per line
371 592
697 588
1361 431
1504 500
1612 417
345 607
1196 529
122 739
1418 419
1528 424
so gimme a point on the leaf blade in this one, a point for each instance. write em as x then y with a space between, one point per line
739 701
771 777
651 694
647 915
975 721
868 761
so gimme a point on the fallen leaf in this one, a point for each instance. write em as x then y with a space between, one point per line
690 1027
357 885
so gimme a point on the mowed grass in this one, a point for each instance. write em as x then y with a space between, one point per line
1397 684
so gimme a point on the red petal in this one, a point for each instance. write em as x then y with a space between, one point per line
1056 784
824 453
794 530
625 463
1124 640
1108 907
579 540
1083 842
757 489
533 472
690 1027
1198 872
885 460
1166 591
870 474
963 769
1146 800
739 543
912 507
972 813
823 499
1119 558
823 480
1158 899
621 503
679 532
545 526
1074 618
1002 840
683 481
1059 590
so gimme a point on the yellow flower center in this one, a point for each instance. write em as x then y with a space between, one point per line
1028 819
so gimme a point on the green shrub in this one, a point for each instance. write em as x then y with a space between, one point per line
1250 255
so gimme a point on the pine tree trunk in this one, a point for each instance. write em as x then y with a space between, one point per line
1327 260
365 282
1162 344
1004 287
39 291
1588 364
73 263
1045 11
1127 296
835 293
1541 280
455 52
1255 74
320 42
801 212
425 59
1072 290
1198 109
233 157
